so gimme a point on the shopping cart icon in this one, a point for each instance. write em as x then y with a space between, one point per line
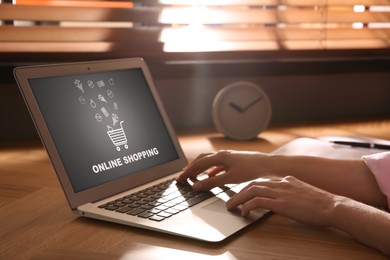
118 137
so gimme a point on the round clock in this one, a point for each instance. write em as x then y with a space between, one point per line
241 110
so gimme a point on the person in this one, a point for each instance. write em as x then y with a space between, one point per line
349 195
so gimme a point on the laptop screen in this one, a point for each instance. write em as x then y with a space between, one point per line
105 125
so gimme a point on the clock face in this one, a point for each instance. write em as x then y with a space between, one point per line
241 110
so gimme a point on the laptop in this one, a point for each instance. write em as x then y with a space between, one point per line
115 152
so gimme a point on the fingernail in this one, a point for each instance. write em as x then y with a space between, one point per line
197 186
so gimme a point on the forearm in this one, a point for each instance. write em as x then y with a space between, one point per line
366 224
350 178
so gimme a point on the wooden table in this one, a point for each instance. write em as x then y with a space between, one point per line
36 221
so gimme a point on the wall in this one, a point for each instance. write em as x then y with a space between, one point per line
294 98
326 92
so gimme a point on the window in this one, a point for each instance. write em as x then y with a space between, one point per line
171 31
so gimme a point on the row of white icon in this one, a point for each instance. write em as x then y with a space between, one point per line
91 84
92 103
100 97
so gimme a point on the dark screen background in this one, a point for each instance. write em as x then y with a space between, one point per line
79 111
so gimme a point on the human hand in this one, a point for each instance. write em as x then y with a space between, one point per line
288 197
225 167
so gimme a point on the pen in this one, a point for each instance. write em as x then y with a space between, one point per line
364 145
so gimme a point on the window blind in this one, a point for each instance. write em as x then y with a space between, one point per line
263 25
197 29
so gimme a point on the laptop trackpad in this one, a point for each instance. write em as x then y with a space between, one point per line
220 207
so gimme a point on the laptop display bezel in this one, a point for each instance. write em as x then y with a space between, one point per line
24 74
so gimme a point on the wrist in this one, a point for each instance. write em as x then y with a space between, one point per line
276 164
337 211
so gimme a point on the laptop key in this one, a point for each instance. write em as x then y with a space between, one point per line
164 214
119 204
124 209
161 207
146 206
201 197
172 211
136 211
135 198
145 214
181 206
154 210
156 218
127 201
111 207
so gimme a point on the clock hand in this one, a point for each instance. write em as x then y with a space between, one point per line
236 107
251 104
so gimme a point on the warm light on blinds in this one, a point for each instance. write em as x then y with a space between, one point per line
164 28
88 3
256 25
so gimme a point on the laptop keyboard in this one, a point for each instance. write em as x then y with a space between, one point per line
158 202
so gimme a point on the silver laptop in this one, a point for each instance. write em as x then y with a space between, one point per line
115 152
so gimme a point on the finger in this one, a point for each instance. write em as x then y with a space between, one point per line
249 193
216 170
202 155
271 182
188 172
198 166
211 182
264 203
196 159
